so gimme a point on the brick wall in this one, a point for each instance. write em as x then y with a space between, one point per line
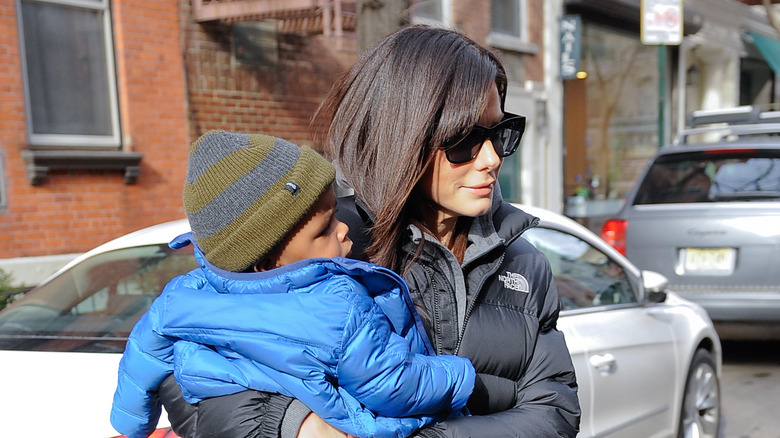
74 210
473 17
534 65
176 79
275 99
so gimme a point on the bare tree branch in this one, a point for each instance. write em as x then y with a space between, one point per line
610 88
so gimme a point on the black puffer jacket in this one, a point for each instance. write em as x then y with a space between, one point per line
499 308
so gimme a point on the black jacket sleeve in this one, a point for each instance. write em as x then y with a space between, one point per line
546 404
491 394
247 414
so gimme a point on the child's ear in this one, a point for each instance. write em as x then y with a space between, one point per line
263 264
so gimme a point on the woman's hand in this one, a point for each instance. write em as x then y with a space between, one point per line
315 427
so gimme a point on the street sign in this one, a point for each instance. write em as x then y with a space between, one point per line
662 22
571 41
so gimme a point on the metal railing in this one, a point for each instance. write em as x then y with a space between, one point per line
327 16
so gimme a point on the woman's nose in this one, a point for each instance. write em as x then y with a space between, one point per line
487 156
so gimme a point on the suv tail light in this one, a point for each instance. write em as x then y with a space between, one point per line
614 233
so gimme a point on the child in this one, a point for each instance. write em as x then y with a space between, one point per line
261 313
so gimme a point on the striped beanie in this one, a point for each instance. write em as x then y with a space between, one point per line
245 192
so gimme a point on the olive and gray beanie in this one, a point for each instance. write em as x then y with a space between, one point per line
245 192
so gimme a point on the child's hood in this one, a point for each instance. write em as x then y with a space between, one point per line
386 287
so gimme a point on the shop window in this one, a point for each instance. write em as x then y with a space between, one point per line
757 84
611 124
69 73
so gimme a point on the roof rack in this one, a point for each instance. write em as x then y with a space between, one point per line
769 117
728 123
738 115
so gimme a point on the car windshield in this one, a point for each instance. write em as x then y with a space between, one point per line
584 276
712 176
92 306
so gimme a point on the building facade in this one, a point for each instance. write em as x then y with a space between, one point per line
102 98
93 125
631 98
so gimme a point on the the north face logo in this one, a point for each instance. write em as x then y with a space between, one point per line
515 282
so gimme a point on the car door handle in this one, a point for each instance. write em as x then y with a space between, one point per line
604 363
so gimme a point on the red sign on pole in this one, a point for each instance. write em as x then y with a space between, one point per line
662 22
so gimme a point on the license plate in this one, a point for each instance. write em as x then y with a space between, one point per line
712 261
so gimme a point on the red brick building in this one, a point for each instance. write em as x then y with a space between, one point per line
100 100
65 195
173 78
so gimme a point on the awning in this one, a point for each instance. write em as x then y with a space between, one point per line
770 48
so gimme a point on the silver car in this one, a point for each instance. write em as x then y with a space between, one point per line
648 362
706 214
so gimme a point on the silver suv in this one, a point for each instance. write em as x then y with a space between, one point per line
706 214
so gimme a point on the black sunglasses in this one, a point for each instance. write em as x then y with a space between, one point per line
505 136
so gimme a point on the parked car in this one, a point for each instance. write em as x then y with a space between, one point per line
705 214
61 343
648 362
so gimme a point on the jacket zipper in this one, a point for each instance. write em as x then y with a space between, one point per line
470 308
434 314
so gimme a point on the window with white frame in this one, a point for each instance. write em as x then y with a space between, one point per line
509 25
68 63
431 12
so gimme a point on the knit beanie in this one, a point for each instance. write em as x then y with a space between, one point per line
245 192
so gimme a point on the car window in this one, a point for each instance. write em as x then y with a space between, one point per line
94 305
711 176
584 276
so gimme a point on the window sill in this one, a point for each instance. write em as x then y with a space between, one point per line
507 42
38 163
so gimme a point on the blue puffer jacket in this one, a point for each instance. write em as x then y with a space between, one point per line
339 335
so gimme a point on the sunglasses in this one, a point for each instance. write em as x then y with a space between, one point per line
505 136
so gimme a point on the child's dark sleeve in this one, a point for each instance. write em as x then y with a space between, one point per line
248 413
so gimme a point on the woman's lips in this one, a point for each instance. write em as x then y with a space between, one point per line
482 189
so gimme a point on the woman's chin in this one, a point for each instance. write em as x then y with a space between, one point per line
476 208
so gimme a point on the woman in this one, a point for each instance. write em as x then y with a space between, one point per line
418 131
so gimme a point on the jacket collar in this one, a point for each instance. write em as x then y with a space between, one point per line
297 274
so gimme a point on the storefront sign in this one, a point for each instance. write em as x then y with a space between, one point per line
571 42
662 22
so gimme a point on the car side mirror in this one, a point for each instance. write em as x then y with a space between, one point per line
655 286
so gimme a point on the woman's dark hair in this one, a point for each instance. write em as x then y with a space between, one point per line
404 98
